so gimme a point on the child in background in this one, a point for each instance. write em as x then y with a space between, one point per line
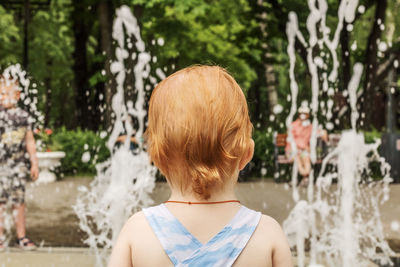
16 140
199 136
301 132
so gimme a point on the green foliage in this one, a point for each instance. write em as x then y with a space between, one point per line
51 60
75 143
372 136
45 141
202 32
374 167
10 39
262 164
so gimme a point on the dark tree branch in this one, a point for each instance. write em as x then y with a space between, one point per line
345 53
372 46
371 62
384 67
344 44
80 66
47 82
105 19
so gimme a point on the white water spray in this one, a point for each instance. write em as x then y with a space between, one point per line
123 183
342 225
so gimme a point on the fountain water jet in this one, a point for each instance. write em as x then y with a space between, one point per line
343 226
123 183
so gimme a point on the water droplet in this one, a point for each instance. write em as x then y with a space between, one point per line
86 157
382 46
353 46
395 226
349 27
329 126
263 171
277 109
271 117
265 205
318 61
160 41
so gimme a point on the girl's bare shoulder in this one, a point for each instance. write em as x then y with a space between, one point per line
138 227
146 249
268 229
137 223
267 223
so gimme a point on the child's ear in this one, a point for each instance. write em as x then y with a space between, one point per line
248 155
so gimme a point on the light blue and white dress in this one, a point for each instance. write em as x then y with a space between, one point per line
185 250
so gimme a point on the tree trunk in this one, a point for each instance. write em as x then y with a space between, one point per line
96 106
270 79
271 86
80 63
27 14
371 64
105 20
345 53
345 76
130 90
47 85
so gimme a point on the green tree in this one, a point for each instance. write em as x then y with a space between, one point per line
51 60
201 32
10 39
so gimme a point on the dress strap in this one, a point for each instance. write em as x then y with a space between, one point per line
224 248
174 238
185 250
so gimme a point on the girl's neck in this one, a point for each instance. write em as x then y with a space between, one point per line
227 193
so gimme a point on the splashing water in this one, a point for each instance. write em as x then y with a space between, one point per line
123 183
342 221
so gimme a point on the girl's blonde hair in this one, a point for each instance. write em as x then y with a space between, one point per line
198 128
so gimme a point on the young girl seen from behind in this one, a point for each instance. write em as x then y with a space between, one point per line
199 136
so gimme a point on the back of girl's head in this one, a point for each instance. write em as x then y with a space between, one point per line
198 128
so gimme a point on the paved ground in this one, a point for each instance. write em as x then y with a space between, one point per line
52 223
48 257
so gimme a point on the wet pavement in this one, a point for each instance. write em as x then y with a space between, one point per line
52 224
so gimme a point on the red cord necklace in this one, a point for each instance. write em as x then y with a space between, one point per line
205 202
